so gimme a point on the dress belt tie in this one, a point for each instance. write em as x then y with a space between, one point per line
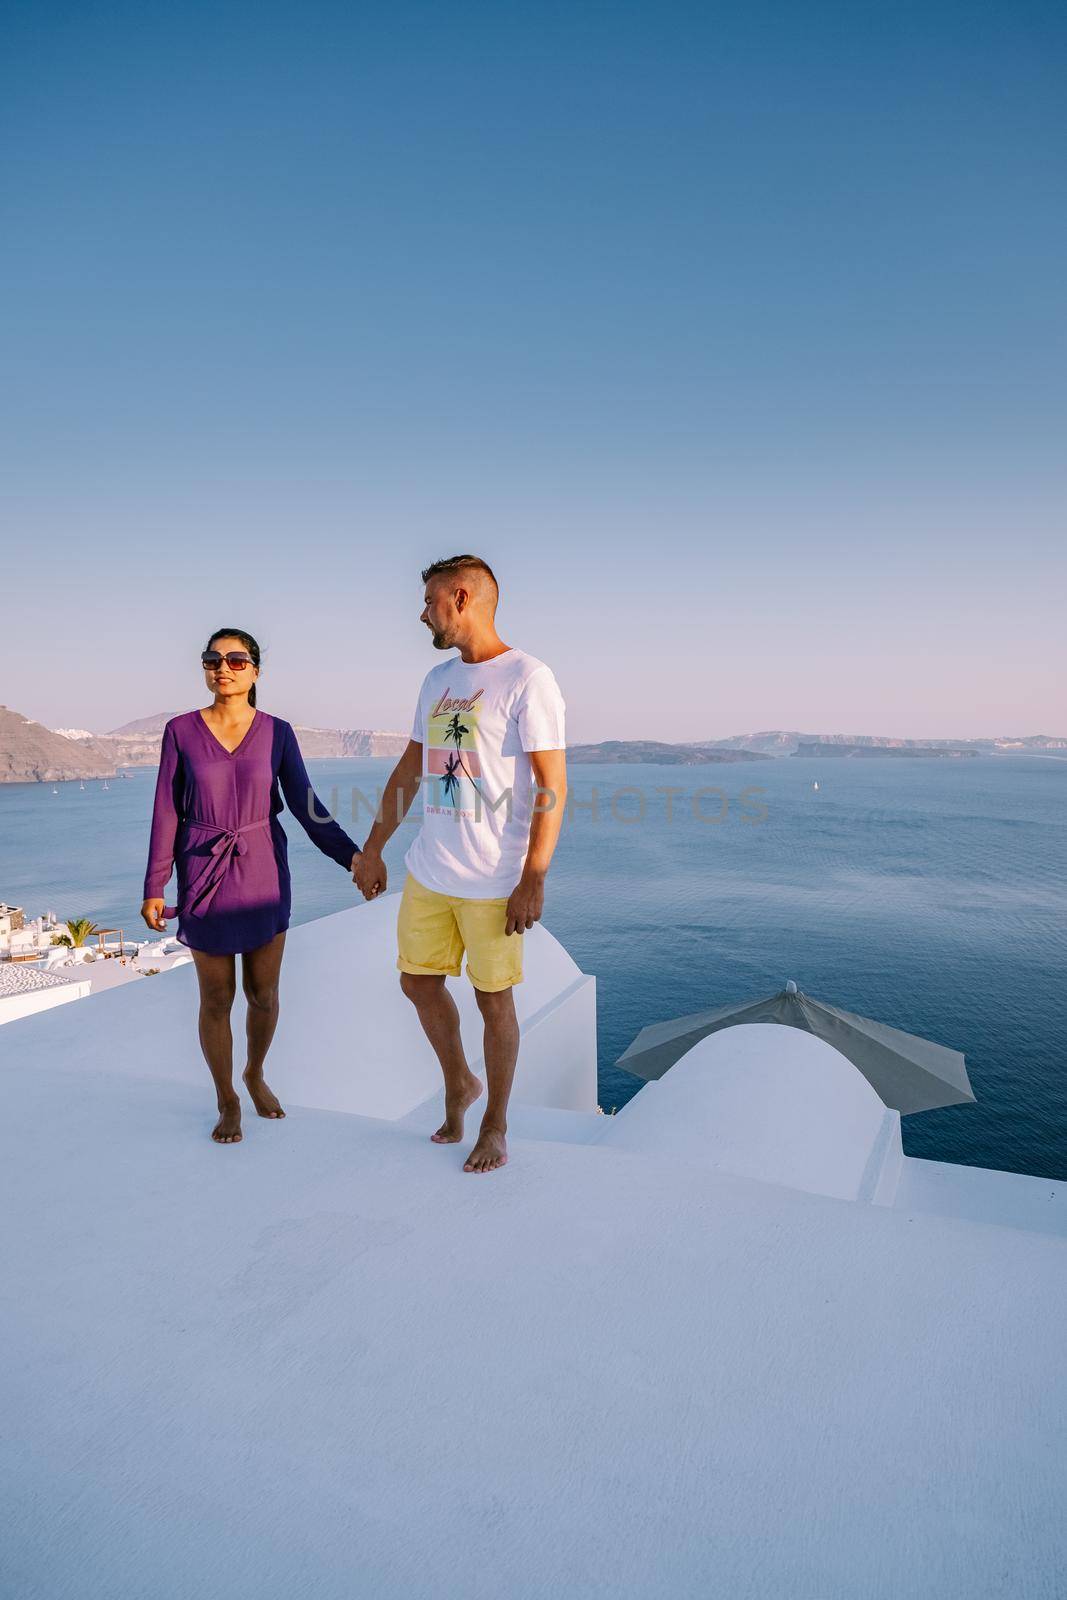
229 843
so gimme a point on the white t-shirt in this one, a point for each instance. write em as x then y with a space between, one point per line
477 723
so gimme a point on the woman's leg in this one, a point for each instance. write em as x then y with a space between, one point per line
260 970
218 985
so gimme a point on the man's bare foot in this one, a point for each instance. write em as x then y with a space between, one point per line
490 1152
456 1108
264 1099
227 1129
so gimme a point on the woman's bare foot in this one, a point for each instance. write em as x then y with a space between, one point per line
456 1108
264 1099
490 1152
227 1129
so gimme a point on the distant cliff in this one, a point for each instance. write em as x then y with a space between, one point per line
779 742
135 744
349 741
32 753
667 755
316 743
823 747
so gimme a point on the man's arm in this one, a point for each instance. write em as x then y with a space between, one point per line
369 871
528 897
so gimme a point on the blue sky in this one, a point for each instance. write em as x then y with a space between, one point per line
731 335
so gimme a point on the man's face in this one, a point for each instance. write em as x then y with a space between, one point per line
440 614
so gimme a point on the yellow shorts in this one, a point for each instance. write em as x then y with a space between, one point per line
433 930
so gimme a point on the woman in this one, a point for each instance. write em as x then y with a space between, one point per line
216 818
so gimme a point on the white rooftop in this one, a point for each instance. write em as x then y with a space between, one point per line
653 1356
18 977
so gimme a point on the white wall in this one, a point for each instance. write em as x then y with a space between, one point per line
14 1006
769 1102
347 1038
354 1042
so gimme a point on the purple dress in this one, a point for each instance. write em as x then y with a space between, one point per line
216 819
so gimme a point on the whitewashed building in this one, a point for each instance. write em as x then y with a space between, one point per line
25 990
22 940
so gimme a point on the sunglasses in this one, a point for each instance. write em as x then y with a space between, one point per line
211 661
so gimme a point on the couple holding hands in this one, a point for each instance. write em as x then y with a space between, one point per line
488 744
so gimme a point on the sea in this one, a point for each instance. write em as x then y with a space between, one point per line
930 894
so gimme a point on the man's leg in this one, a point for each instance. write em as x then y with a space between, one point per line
440 1023
501 1054
429 949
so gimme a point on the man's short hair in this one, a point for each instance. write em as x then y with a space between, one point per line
450 566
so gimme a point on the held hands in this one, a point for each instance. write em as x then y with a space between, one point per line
369 874
526 904
152 912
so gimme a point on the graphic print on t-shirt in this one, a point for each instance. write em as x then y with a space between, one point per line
452 756
478 724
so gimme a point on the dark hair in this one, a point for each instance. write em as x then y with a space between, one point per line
250 645
450 564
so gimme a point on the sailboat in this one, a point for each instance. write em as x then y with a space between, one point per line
106 784
81 786
815 785
55 791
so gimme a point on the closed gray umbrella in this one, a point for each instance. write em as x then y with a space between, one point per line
908 1073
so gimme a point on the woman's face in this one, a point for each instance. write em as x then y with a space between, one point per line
228 682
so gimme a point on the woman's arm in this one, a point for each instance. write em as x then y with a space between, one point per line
306 806
165 811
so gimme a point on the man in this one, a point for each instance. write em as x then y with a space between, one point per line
488 727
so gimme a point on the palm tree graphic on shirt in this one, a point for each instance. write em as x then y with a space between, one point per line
449 780
456 731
